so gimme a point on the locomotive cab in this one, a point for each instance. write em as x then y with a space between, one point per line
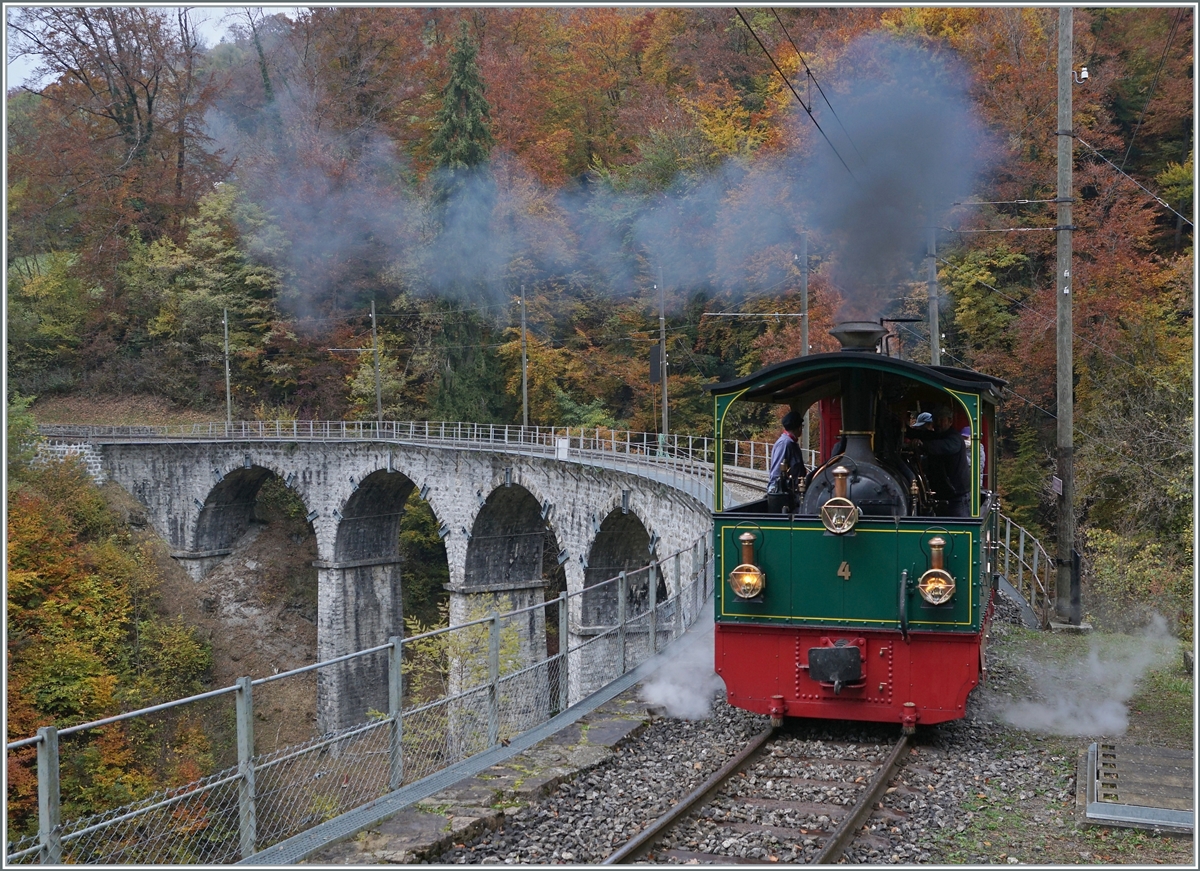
874 578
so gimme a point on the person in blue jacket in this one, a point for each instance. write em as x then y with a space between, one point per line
787 462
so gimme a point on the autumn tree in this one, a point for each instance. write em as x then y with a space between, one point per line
85 641
118 135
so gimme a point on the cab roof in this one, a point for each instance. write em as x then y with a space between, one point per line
816 374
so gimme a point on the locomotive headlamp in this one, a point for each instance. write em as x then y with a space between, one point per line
747 580
839 514
936 585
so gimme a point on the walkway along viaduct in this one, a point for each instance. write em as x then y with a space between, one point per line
602 502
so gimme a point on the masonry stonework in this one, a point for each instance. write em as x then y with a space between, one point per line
491 507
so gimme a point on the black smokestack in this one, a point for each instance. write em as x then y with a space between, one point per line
858 335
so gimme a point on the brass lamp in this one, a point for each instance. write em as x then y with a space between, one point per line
747 580
936 585
839 514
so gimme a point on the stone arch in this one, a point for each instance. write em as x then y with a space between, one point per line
508 539
226 513
510 550
228 509
359 598
622 544
369 527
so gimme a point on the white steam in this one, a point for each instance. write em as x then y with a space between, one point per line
684 684
1088 698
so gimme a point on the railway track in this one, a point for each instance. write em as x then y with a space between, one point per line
784 798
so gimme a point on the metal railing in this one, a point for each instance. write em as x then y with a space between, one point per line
685 462
1033 567
453 693
739 453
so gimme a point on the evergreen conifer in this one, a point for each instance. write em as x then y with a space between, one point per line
462 139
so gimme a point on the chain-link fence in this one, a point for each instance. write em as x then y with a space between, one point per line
451 693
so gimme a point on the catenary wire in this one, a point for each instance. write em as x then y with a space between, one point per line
820 90
1001 202
1153 86
1152 195
793 90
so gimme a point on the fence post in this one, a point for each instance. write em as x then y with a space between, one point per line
1021 561
1007 545
564 647
679 595
709 575
1034 580
679 599
49 797
247 816
494 680
653 606
622 595
396 711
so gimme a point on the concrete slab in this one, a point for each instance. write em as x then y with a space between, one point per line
409 835
610 732
571 734
472 792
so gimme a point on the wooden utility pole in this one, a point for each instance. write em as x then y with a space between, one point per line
804 436
1066 396
378 384
524 366
803 294
931 290
228 393
662 357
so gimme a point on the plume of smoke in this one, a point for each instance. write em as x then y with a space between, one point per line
900 155
1088 698
684 683
356 225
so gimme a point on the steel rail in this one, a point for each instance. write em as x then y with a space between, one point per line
832 849
643 840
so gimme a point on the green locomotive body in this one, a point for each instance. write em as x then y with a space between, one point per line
867 593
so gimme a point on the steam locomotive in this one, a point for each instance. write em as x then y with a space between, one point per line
857 596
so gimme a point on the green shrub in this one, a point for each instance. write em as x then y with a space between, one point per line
1134 578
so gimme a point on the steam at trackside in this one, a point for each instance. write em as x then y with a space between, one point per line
1090 697
684 685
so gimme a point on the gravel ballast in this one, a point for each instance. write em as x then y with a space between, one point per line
960 781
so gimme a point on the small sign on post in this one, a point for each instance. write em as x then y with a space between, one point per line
1056 485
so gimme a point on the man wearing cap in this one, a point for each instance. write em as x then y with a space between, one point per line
946 462
787 463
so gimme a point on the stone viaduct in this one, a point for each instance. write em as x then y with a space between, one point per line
503 497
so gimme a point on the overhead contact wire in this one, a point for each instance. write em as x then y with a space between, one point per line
793 90
1153 195
1153 86
820 90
